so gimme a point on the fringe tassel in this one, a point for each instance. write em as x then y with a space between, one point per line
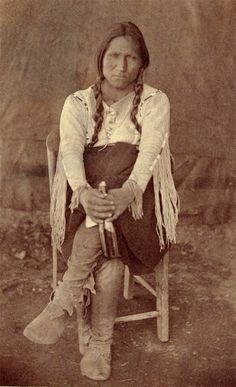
166 199
136 207
58 205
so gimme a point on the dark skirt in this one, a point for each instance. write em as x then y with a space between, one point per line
137 239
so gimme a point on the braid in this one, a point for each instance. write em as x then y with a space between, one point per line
138 89
98 115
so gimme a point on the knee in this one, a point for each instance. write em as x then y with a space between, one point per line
111 272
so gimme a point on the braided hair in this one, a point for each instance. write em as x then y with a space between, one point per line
98 115
117 30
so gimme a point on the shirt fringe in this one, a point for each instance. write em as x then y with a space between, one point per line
136 207
166 201
58 205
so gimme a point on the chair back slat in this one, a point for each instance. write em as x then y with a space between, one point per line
53 140
52 162
52 143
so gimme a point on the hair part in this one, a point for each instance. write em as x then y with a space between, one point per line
117 30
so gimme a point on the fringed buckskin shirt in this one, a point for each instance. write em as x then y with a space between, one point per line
153 160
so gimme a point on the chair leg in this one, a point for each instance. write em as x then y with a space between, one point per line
161 273
128 284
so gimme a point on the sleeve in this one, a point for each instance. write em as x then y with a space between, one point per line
155 128
73 127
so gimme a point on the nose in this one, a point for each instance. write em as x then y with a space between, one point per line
122 64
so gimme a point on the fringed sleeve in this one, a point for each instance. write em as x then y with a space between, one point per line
70 165
73 129
136 206
58 205
154 161
166 198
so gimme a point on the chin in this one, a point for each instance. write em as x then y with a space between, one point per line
120 84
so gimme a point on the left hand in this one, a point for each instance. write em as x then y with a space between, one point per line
98 206
121 197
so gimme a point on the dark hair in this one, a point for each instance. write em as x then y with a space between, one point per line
115 31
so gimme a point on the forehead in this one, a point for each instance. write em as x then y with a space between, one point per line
123 44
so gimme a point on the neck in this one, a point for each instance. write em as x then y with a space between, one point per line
112 95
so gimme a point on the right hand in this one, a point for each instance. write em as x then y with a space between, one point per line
98 206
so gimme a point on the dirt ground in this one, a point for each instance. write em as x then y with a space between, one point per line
201 351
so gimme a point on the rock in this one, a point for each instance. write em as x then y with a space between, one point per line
20 255
171 348
175 307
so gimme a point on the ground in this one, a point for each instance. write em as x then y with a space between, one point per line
201 349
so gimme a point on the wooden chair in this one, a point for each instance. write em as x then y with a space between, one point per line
161 313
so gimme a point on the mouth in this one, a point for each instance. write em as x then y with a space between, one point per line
119 76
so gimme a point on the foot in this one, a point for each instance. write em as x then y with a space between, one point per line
84 327
96 363
48 326
84 336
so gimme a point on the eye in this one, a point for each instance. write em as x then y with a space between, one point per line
132 57
114 55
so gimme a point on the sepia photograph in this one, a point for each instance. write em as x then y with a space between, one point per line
118 193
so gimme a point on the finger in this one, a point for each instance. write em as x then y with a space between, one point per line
100 201
101 208
100 215
99 194
113 217
118 211
94 193
109 196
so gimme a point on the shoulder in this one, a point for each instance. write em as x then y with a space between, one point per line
80 99
153 95
84 95
153 100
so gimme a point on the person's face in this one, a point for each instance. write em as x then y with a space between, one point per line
121 62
